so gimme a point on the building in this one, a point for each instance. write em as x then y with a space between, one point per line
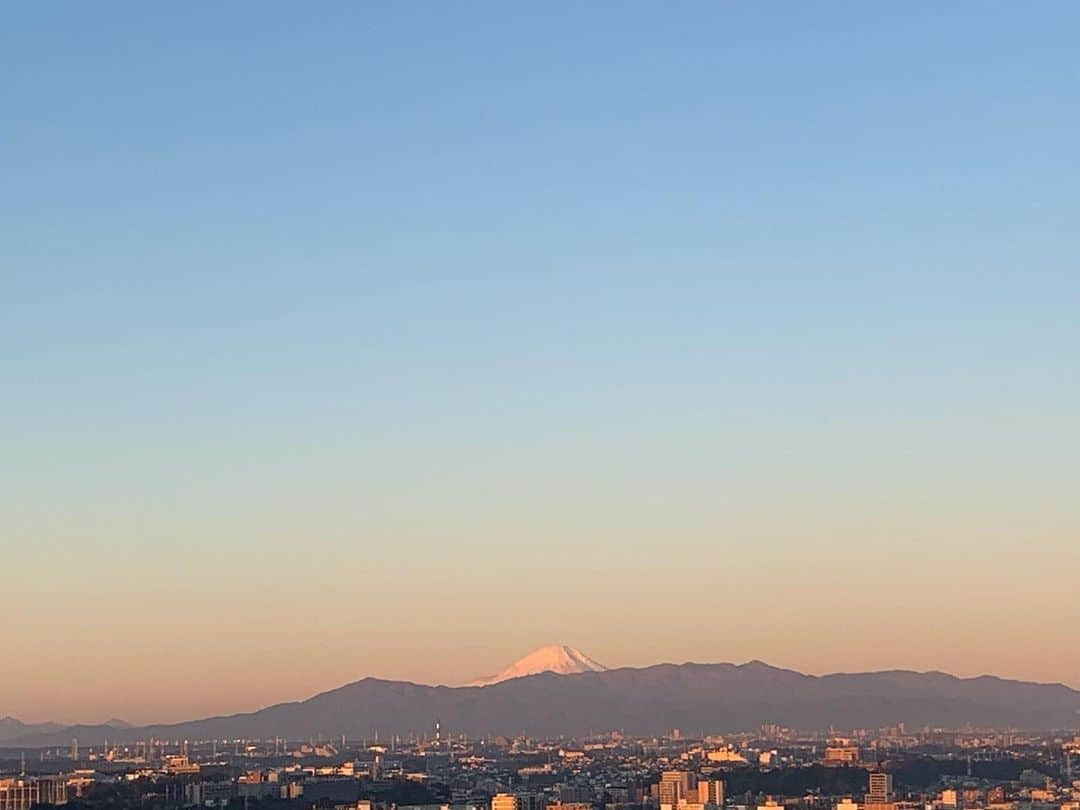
180 764
711 791
22 793
676 785
504 801
725 755
218 793
531 801
973 797
881 787
18 794
880 795
841 754
294 790
575 794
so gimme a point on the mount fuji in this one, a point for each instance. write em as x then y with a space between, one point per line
555 658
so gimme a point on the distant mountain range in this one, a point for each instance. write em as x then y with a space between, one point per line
12 729
650 700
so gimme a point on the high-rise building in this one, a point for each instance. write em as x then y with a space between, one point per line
711 791
675 785
880 795
504 801
881 787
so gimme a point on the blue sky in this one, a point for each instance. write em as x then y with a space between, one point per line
532 302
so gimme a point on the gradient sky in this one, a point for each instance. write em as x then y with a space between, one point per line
399 339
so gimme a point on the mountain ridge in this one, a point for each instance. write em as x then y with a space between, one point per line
639 700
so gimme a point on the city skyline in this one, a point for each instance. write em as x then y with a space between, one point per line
371 340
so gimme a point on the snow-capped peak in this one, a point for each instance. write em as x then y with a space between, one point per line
555 658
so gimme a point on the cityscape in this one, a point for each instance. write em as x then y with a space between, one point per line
773 767
895 767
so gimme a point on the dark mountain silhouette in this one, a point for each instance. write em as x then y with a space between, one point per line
693 697
12 729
